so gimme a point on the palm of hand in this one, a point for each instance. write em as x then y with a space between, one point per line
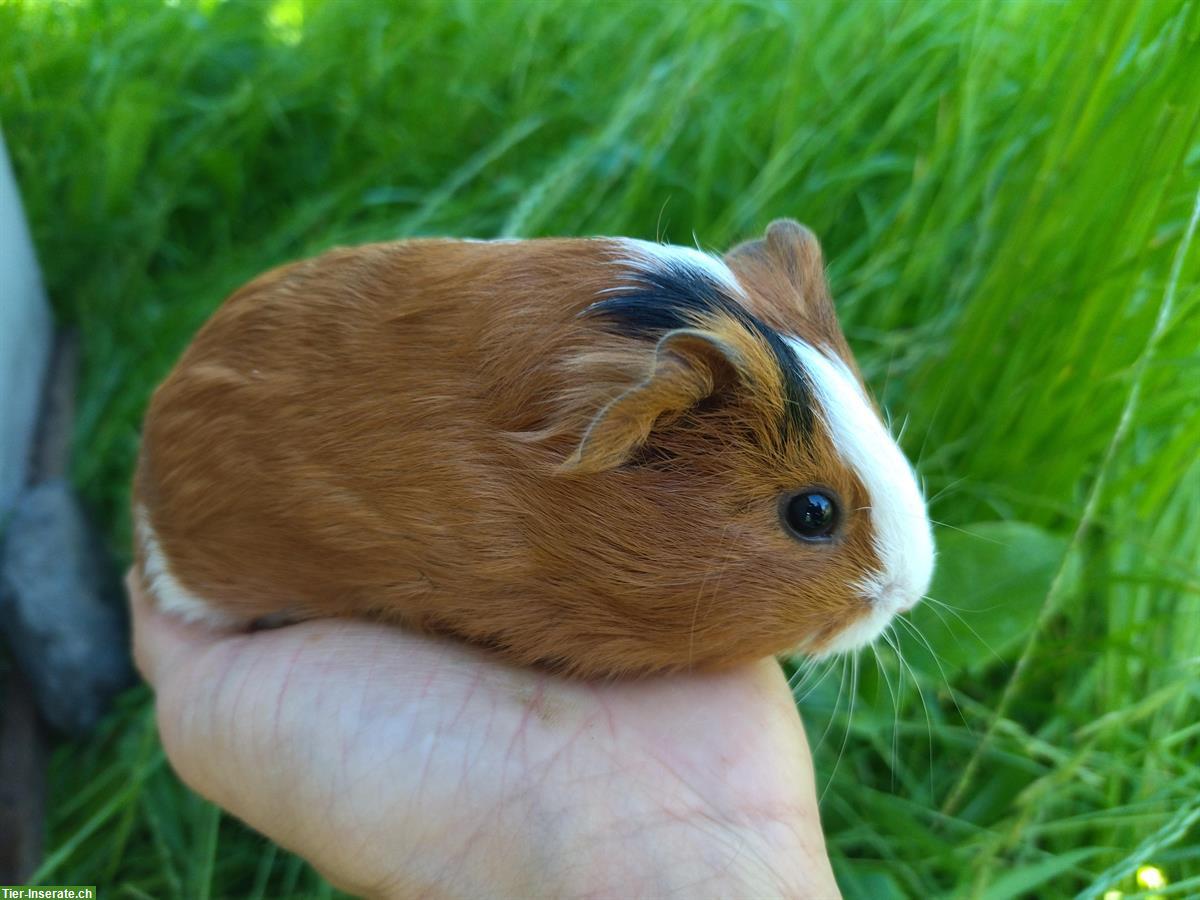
406 765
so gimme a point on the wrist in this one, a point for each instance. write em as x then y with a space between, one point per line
704 857
537 848
648 843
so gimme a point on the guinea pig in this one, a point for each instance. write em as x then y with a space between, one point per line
603 455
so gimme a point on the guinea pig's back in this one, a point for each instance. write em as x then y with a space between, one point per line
328 443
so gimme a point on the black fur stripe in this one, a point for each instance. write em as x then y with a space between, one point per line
665 295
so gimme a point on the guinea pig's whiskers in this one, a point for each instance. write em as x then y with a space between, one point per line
949 627
837 703
929 430
849 724
887 376
804 665
938 662
799 681
810 667
896 645
799 678
951 486
659 231
803 668
944 605
954 611
964 531
825 667
890 638
887 680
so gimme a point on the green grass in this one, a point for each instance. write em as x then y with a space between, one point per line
1003 190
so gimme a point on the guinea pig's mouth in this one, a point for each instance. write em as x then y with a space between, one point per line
883 605
895 598
863 632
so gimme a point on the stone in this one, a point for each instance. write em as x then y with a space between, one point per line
25 339
62 608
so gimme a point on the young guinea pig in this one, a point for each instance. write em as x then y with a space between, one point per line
604 455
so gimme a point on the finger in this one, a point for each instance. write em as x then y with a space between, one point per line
160 639
266 725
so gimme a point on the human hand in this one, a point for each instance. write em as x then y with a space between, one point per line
404 765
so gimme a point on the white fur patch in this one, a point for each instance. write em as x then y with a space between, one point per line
902 536
172 597
646 255
863 632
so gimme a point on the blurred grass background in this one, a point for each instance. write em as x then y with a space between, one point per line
1004 191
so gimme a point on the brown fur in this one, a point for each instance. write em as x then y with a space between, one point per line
429 432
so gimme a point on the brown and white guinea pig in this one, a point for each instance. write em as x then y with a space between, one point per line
605 455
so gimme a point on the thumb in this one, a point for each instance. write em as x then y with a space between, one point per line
161 641
263 724
220 715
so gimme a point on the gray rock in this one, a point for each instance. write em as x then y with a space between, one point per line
61 608
25 336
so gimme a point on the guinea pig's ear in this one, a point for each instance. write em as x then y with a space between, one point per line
689 366
784 273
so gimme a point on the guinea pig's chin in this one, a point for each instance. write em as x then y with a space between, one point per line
863 632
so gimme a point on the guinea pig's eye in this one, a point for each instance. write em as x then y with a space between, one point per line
810 515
